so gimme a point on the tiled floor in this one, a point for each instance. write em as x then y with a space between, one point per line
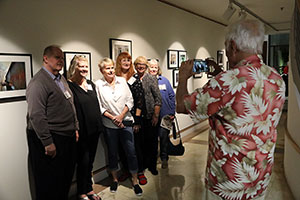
185 177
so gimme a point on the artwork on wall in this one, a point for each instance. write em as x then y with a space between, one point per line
118 46
69 55
175 77
172 59
220 57
227 65
15 74
181 57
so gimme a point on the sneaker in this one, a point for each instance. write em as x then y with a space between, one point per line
114 187
137 190
142 179
164 164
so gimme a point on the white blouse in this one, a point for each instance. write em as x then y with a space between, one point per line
113 100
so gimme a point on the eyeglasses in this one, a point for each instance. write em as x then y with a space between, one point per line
141 64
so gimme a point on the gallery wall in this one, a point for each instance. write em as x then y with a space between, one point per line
292 138
86 26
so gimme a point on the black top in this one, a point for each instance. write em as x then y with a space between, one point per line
87 109
136 88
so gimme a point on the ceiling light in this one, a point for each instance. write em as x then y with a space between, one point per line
242 14
229 11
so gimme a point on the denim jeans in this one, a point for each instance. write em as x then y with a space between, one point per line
164 138
125 136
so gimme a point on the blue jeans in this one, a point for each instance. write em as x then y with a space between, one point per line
164 138
125 136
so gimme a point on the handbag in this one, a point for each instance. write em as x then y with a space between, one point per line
175 146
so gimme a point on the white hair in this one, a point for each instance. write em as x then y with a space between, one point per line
247 34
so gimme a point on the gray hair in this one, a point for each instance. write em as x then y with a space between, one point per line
155 62
247 34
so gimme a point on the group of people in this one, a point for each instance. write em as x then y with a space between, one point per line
65 118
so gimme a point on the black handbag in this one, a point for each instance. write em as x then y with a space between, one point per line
175 146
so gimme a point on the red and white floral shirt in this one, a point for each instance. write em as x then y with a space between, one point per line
244 106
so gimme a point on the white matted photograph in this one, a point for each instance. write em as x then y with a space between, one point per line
175 77
172 59
182 56
15 74
118 46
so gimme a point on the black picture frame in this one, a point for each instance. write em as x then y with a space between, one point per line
175 77
15 74
182 56
220 57
69 55
227 65
172 56
116 46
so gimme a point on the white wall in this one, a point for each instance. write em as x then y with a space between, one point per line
291 155
29 26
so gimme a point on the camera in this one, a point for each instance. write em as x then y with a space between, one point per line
200 66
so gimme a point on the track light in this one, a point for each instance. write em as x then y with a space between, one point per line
242 14
229 11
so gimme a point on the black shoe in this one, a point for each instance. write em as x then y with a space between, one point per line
153 171
114 187
137 190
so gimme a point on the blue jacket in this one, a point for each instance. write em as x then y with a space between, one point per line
167 95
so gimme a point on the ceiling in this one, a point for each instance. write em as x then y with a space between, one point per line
276 14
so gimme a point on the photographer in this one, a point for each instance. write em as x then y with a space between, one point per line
243 106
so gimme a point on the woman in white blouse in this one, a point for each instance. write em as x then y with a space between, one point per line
116 101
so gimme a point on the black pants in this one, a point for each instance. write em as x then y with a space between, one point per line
86 151
150 144
52 176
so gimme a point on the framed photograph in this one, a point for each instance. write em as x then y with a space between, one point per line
175 77
172 59
200 75
69 55
118 46
227 65
220 57
181 57
15 74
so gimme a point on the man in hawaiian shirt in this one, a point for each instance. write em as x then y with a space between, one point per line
243 106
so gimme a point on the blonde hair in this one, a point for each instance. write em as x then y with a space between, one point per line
74 63
119 66
142 60
155 62
105 61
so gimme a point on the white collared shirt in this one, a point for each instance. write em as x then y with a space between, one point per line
113 100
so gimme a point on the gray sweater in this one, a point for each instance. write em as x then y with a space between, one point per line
49 111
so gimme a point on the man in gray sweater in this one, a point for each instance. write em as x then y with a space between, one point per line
52 128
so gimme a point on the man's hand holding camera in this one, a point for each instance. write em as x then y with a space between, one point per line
217 68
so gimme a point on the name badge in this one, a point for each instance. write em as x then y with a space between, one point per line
67 94
89 87
131 80
162 87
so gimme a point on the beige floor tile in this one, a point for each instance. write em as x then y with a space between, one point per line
184 179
